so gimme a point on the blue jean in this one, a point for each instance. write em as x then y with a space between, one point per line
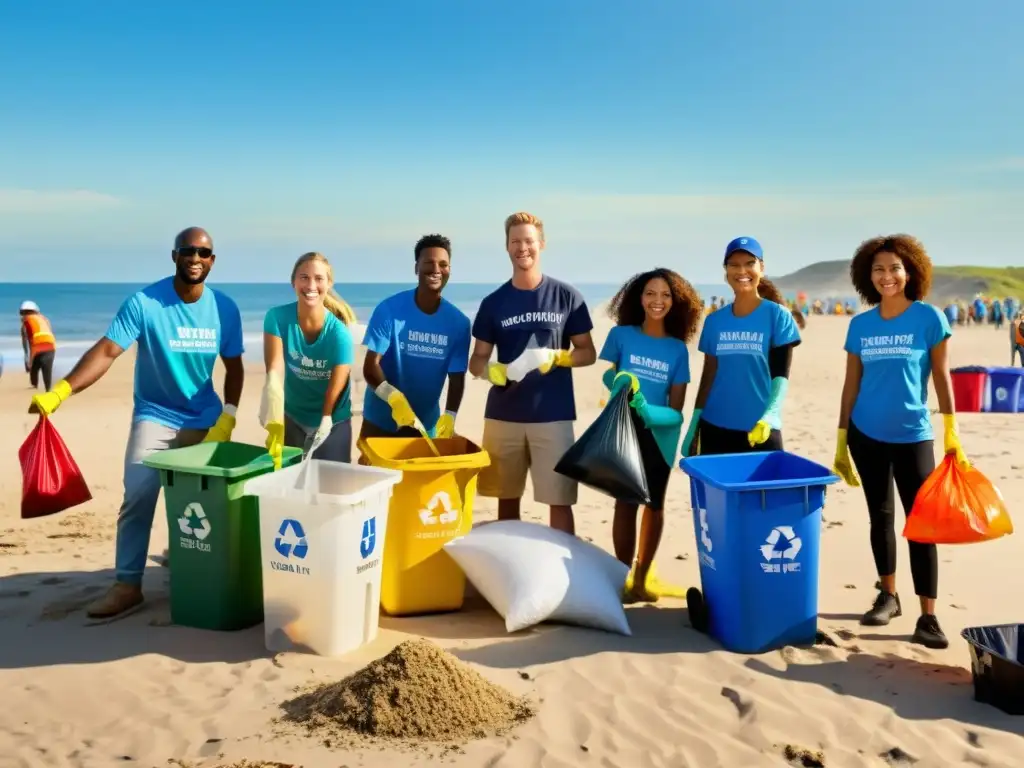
141 492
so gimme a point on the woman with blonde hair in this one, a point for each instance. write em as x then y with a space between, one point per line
308 352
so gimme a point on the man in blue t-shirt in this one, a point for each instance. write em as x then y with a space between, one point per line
181 328
528 425
415 341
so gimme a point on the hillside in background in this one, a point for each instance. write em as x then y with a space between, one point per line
832 279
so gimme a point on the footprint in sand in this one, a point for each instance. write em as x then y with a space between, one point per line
61 609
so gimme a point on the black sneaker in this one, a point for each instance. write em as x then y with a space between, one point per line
697 609
929 634
886 607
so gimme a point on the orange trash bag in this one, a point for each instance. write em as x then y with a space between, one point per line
957 506
50 479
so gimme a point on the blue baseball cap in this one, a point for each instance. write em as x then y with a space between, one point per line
748 244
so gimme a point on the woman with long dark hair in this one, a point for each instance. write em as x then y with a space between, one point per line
884 420
656 314
748 347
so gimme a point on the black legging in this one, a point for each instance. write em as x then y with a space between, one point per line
718 440
41 363
909 464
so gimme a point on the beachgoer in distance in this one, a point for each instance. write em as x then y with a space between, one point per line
892 349
39 344
307 349
181 327
748 347
528 424
1017 339
656 314
415 341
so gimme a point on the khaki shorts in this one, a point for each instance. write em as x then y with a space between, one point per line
516 448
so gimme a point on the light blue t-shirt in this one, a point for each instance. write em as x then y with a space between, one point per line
742 386
417 351
657 362
308 366
178 346
892 403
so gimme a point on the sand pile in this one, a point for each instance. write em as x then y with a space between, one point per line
418 692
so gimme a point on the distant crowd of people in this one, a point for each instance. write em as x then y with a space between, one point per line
417 343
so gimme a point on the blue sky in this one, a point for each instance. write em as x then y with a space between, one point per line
642 133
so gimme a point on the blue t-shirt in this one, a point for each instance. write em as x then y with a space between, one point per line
549 315
742 385
418 351
892 403
178 346
657 362
308 365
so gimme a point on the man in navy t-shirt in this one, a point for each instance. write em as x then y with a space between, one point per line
528 424
180 327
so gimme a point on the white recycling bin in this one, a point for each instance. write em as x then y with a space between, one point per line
322 527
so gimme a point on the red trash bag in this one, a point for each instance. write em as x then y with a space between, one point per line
957 506
50 479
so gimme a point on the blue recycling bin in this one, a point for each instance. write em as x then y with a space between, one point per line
757 519
1005 390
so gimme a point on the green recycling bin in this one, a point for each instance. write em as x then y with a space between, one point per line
214 532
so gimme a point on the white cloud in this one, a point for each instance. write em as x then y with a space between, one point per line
54 200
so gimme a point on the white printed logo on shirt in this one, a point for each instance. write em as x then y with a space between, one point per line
194 340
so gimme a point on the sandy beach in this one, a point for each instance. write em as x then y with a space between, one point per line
141 692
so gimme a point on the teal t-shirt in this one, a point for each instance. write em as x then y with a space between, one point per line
308 365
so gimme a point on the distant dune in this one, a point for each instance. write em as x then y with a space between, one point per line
832 279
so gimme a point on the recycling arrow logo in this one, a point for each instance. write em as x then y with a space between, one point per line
782 544
440 500
291 540
193 521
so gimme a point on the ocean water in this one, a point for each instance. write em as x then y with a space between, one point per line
81 312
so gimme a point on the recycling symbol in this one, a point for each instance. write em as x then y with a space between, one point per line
193 521
705 537
1002 393
291 539
440 500
782 544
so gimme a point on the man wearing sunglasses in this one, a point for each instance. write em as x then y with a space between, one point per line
181 327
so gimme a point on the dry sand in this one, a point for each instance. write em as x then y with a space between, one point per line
142 692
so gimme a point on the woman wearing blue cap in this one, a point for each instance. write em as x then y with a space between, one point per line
748 348
884 420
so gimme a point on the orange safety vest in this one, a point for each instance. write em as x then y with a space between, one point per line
1020 334
40 335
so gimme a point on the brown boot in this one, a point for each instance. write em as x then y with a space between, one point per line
120 600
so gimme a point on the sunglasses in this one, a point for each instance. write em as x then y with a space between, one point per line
190 251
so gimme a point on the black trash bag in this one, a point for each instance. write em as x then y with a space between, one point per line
607 457
997 665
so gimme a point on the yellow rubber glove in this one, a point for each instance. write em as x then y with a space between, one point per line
48 402
221 431
560 358
497 374
445 426
951 440
275 442
842 465
401 411
759 434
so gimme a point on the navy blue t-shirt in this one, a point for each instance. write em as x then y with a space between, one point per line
549 315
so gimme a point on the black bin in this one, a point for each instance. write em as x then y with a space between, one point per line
997 665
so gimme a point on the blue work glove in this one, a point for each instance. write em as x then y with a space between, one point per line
655 416
689 447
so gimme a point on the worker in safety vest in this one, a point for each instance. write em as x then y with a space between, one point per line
39 343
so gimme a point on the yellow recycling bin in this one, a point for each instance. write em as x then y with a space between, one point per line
432 505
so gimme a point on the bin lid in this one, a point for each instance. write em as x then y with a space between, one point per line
971 369
232 461
1006 371
763 470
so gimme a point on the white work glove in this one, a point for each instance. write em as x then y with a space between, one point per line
322 432
272 401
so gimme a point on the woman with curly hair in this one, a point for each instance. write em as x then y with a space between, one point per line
656 314
748 347
892 350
